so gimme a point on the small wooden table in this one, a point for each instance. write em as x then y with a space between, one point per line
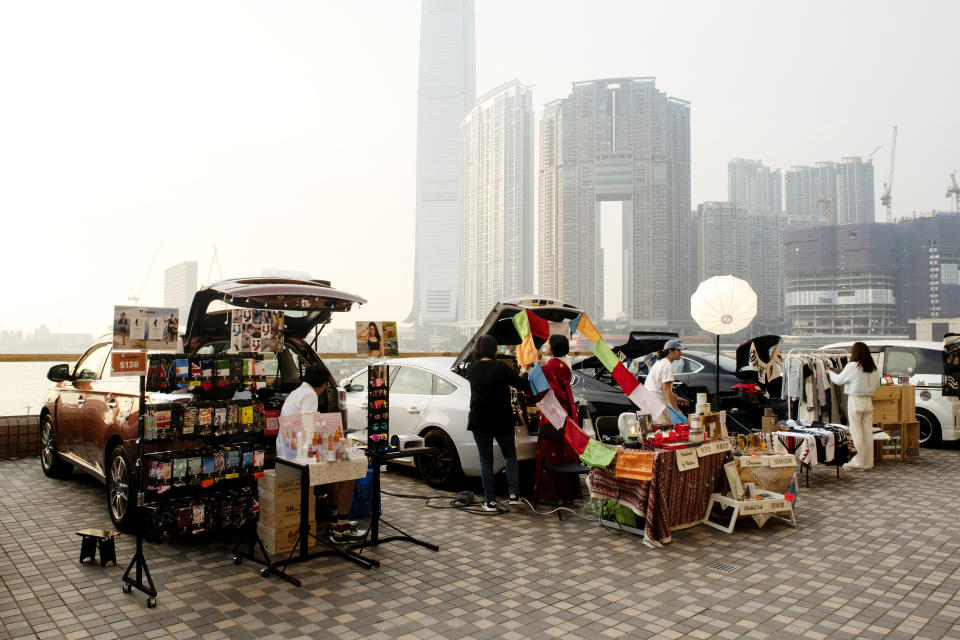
94 538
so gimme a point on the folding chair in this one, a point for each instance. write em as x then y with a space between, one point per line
548 432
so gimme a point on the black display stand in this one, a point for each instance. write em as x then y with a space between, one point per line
301 551
378 458
139 563
253 542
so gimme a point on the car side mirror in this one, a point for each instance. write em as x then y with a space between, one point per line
59 373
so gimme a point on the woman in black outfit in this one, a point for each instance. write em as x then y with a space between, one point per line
491 416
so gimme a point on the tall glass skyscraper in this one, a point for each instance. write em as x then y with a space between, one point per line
447 90
496 258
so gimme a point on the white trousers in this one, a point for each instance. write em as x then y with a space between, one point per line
860 417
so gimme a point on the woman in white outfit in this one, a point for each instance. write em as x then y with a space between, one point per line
860 379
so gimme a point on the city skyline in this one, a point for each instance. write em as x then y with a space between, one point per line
247 122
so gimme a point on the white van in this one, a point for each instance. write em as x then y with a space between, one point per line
925 364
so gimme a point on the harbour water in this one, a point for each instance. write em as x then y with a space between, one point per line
22 387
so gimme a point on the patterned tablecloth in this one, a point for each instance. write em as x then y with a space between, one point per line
672 499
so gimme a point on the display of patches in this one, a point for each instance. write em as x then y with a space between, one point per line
220 420
219 463
190 417
194 467
247 460
181 372
256 330
206 374
179 471
196 371
222 372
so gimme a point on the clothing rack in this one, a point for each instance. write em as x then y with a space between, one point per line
810 355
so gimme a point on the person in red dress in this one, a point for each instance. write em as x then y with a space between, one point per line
556 451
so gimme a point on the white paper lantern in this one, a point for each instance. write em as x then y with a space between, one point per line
723 304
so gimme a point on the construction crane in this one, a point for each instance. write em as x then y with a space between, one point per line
215 259
870 157
134 296
954 190
887 198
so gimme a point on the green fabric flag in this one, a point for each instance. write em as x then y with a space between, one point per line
521 323
598 454
605 355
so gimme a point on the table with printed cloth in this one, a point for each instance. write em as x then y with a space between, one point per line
671 499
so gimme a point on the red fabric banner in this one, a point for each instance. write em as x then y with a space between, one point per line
625 379
539 327
575 436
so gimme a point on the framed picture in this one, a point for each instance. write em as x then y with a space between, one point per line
733 477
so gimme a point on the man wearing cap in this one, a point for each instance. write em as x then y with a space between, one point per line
659 381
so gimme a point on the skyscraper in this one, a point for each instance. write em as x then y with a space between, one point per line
747 244
812 194
855 194
496 177
620 140
179 285
447 88
754 187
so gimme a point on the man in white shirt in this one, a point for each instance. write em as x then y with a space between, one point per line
306 399
659 381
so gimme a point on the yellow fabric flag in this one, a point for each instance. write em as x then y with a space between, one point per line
588 330
526 351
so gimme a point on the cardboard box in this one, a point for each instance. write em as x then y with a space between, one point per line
279 484
282 539
284 512
768 424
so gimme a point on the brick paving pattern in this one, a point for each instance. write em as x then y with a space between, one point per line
875 556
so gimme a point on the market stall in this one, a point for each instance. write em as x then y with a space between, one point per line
677 493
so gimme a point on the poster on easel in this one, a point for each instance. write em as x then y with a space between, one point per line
145 328
376 339
256 330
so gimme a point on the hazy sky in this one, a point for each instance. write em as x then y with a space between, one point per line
285 132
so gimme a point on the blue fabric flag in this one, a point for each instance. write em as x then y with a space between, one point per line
676 417
538 381
574 324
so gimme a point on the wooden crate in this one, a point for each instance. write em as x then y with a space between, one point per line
886 405
911 440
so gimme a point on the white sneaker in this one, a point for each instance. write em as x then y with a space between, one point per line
514 499
488 506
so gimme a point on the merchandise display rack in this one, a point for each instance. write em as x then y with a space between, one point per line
138 564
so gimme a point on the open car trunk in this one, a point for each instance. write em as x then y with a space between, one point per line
638 344
305 305
951 369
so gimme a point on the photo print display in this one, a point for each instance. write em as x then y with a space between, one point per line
145 328
377 339
256 330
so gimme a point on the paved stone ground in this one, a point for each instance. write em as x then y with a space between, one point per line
875 556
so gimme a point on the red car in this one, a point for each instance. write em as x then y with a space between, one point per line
89 417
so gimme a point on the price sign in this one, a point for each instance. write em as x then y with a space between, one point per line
128 363
786 460
687 459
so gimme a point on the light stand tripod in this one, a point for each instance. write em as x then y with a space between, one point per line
138 561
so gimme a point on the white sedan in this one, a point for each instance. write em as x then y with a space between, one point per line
428 399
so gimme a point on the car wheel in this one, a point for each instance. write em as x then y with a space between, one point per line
50 460
442 468
929 428
120 489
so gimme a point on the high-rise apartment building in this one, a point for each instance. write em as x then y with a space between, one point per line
754 187
447 89
496 177
179 285
811 194
623 140
855 195
748 244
